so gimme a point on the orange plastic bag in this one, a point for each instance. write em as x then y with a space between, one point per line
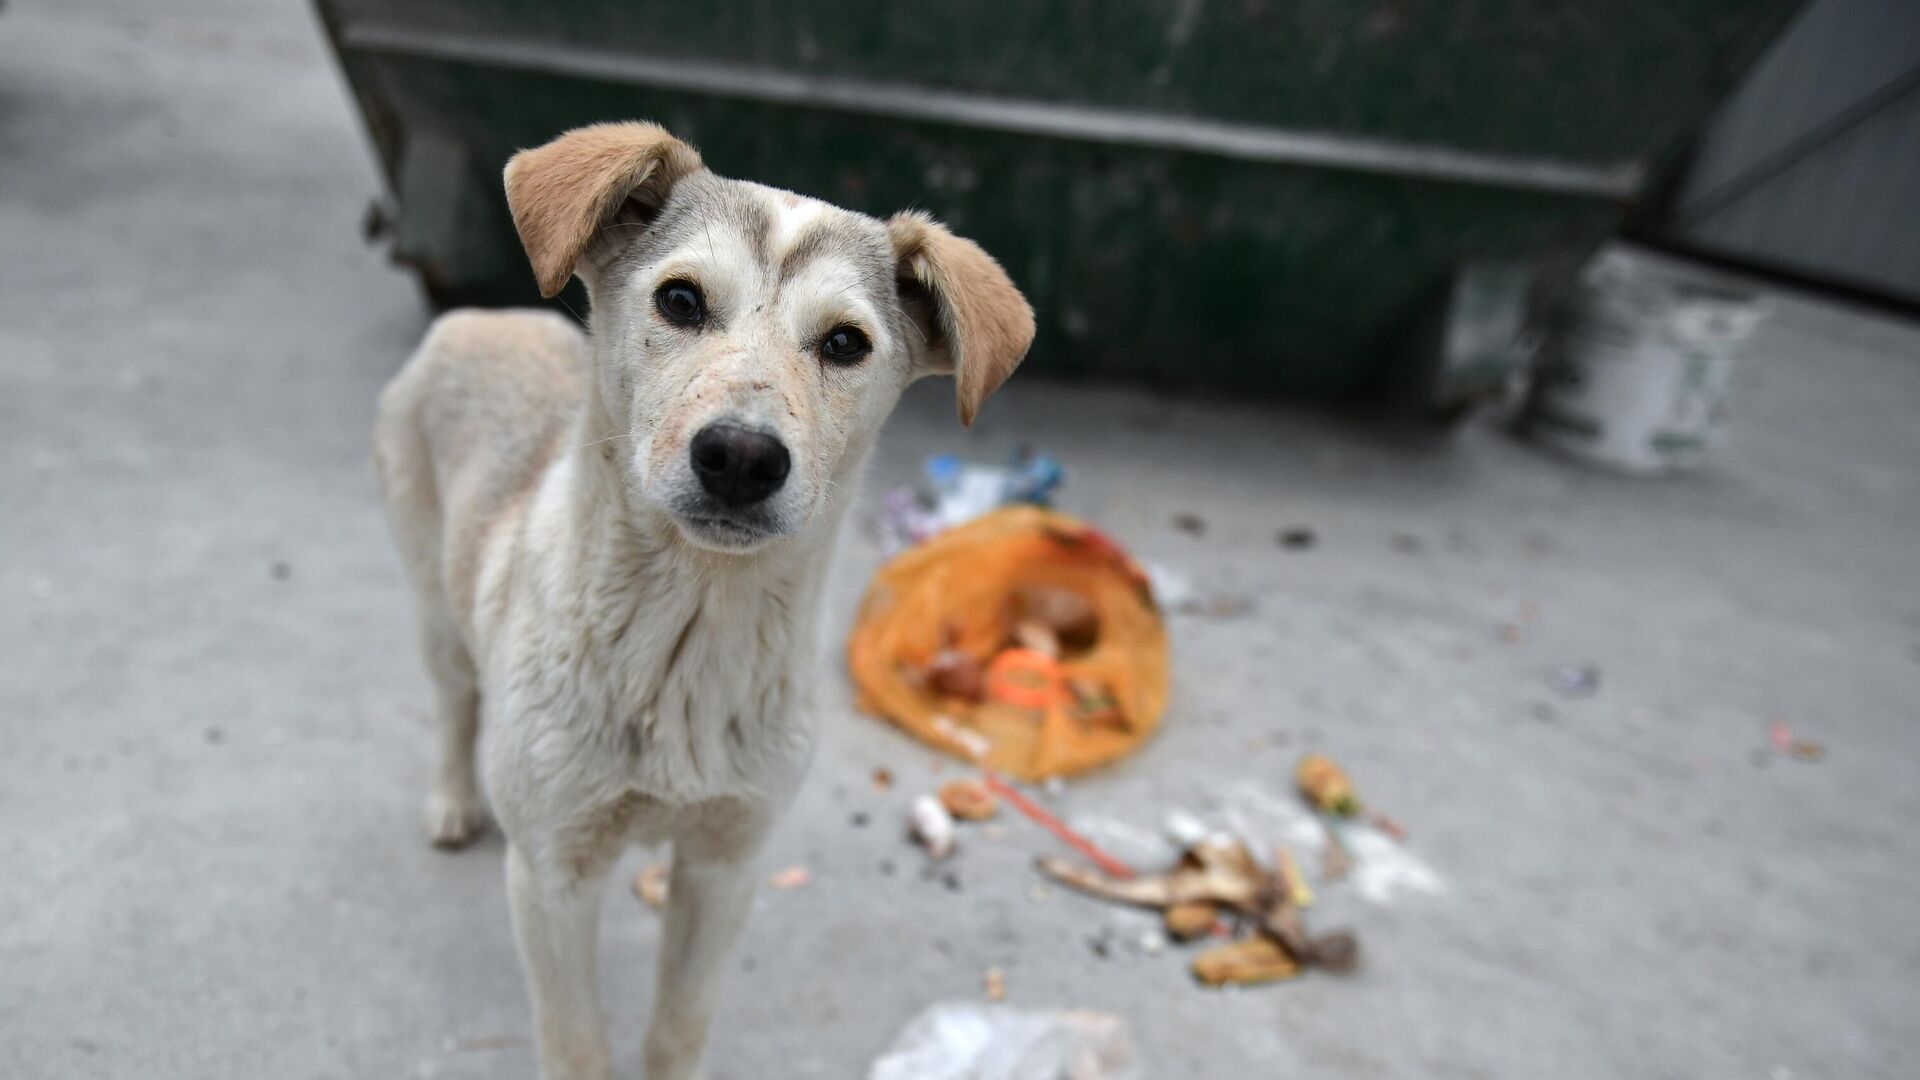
1096 702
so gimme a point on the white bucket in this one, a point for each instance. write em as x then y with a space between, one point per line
1638 378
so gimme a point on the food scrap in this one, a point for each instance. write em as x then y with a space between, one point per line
931 826
793 877
1215 875
650 884
1781 736
1023 640
1326 786
969 800
1247 962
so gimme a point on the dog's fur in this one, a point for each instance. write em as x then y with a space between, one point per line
644 669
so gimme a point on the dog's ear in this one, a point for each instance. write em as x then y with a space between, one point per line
976 323
562 194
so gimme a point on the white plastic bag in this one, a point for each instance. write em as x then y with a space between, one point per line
965 1040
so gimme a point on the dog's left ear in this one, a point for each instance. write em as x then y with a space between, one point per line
976 323
564 193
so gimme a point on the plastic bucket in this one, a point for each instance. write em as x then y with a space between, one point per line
1637 378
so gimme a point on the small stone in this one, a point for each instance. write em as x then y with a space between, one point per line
215 736
281 570
1298 538
1578 681
858 819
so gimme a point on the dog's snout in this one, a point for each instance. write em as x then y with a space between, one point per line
737 465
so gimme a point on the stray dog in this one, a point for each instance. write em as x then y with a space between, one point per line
617 541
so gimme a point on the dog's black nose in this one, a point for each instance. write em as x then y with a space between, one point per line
738 466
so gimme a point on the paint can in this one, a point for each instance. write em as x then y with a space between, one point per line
1636 380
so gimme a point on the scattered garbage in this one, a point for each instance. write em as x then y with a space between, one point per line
1191 524
959 491
882 780
1246 962
1060 625
1188 921
969 800
1578 681
650 884
1336 862
793 877
1326 785
994 984
931 826
1213 877
1781 736
966 1040
1288 868
1177 594
1637 380
1039 816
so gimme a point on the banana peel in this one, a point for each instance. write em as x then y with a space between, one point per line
1214 875
1256 959
1185 922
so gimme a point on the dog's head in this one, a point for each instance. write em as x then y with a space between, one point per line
750 341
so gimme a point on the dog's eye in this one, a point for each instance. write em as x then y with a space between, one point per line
680 302
845 345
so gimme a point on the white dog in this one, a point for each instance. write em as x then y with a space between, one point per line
617 541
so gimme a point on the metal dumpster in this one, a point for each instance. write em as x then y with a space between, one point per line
1263 196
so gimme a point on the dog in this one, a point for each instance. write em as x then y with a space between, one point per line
617 541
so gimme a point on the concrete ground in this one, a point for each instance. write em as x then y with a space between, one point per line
214 744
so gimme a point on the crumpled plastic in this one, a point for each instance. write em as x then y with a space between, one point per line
959 491
953 592
965 1040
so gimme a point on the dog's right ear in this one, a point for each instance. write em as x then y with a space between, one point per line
562 194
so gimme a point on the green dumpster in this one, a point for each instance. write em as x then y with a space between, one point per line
1263 196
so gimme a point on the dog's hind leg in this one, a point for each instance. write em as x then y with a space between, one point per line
401 456
453 814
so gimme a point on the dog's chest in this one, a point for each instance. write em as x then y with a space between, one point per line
701 693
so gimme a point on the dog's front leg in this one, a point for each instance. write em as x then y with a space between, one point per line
556 916
707 902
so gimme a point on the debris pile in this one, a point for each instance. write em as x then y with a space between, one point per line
1219 889
1216 880
958 491
1024 639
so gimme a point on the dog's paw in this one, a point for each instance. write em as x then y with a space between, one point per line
453 821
